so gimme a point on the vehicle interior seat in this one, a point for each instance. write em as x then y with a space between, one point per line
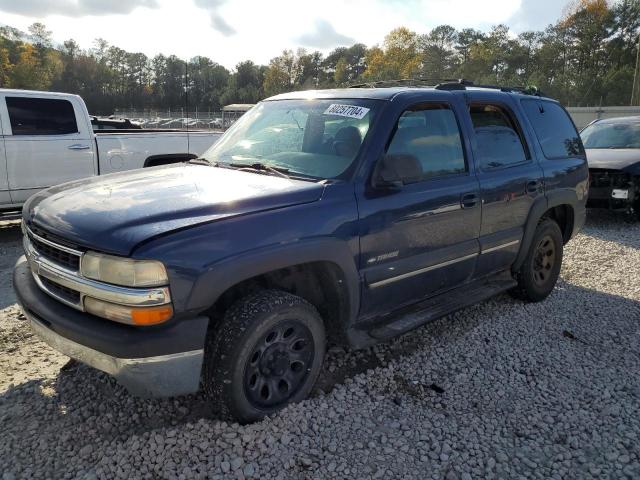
347 141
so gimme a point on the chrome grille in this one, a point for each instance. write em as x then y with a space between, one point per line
60 255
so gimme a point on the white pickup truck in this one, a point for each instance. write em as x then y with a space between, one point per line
47 139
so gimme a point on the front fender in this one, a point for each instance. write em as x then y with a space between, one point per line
222 275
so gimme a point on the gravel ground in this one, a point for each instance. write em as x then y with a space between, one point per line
499 390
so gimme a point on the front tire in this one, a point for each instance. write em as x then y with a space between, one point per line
266 352
541 268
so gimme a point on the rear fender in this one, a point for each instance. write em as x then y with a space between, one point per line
542 204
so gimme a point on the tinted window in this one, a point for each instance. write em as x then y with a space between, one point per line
429 139
498 138
554 129
41 116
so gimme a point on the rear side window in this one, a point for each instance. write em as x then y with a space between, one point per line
557 136
498 137
427 143
41 116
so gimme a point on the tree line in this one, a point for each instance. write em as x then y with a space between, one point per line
588 57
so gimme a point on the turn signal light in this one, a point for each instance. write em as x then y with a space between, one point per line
151 316
141 316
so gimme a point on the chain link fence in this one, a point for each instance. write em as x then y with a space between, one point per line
582 116
177 119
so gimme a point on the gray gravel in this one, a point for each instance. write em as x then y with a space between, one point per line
499 390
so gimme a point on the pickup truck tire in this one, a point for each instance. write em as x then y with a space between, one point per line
540 270
266 352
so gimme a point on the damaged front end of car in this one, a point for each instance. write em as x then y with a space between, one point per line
615 190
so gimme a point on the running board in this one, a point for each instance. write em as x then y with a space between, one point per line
412 317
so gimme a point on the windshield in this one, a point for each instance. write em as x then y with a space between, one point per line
319 139
612 135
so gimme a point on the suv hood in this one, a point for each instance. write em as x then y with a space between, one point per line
116 212
627 159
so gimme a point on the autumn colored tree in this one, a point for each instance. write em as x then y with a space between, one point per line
588 57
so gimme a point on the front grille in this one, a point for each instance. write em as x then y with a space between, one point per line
609 178
61 257
59 291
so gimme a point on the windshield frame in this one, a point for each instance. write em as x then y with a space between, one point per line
375 106
612 124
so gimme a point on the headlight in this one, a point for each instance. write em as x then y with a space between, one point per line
123 271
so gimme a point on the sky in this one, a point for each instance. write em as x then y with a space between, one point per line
230 31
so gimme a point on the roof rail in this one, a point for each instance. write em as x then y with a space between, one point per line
463 84
401 82
446 84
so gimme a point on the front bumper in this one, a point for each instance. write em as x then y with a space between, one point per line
613 190
156 362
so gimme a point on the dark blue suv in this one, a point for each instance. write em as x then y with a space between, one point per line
349 216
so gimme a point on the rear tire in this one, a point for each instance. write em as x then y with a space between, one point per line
541 268
266 353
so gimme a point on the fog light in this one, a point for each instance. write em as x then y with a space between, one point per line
129 315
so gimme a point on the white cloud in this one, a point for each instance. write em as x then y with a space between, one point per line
324 35
229 31
74 8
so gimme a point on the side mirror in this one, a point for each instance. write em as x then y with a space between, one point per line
385 175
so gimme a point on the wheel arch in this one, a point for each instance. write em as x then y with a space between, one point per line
323 272
560 205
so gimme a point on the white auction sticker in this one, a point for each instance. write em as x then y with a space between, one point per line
351 111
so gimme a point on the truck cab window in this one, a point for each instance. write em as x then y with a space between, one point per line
498 137
427 143
41 116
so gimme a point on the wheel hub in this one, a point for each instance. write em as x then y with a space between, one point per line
279 365
544 260
275 360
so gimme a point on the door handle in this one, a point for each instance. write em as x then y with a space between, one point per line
533 186
469 200
78 146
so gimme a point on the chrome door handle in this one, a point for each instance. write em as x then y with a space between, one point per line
78 146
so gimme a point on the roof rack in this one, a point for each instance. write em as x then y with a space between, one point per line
448 84
463 84
402 82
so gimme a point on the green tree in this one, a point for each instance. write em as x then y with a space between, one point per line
439 54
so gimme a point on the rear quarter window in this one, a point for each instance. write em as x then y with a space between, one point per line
555 131
41 116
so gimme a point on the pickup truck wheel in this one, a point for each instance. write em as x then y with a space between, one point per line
266 352
539 273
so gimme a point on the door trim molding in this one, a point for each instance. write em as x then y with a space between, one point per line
386 281
500 247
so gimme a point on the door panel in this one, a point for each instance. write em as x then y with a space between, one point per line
417 242
421 236
38 157
510 181
5 198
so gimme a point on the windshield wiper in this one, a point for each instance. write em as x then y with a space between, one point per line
260 167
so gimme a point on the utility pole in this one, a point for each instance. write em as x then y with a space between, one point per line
635 75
